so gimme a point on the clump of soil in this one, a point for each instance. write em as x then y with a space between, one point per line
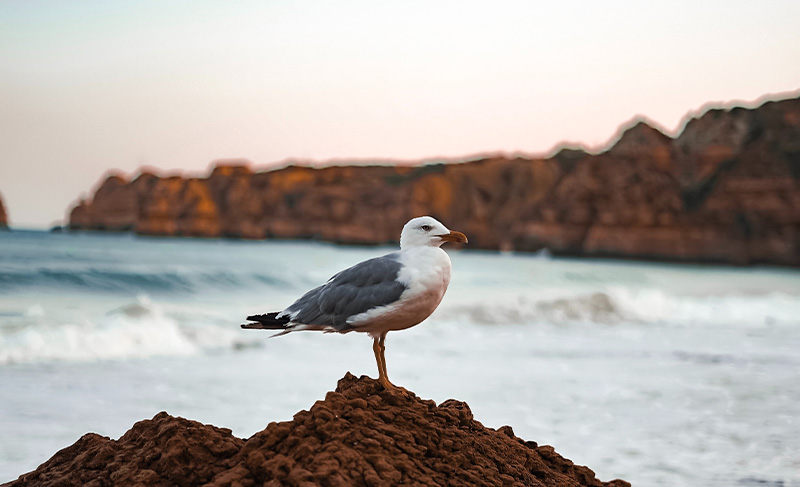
360 435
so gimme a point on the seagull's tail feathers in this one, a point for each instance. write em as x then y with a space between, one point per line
269 321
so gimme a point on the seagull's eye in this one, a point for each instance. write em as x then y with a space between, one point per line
426 228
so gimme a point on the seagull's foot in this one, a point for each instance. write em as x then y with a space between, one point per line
388 386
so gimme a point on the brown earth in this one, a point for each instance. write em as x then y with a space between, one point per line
3 215
360 435
726 190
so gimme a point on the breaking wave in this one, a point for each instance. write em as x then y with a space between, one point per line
137 330
625 305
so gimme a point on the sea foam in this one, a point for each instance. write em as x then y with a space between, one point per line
137 330
619 305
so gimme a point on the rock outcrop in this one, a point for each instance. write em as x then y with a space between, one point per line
726 190
3 215
360 435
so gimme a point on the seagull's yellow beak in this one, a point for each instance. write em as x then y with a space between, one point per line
454 236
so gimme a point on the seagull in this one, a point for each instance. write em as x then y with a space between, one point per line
393 292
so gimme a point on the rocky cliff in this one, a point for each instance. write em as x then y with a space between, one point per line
727 190
360 435
3 216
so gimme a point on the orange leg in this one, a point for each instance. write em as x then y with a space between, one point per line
379 348
383 356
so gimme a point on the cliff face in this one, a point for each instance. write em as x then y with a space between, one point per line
726 190
3 216
360 435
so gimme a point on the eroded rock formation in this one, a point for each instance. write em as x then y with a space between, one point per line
726 190
3 215
360 435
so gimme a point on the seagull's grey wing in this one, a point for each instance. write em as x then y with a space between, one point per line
367 285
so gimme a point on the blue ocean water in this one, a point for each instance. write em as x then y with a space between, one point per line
659 374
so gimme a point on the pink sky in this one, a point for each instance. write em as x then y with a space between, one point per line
90 86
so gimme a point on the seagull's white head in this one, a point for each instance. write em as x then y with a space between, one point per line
427 231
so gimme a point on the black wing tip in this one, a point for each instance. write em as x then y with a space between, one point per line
256 326
269 317
268 321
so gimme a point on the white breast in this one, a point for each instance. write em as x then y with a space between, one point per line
426 274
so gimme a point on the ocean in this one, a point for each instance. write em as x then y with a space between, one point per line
660 374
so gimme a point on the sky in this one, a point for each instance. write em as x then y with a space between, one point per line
92 86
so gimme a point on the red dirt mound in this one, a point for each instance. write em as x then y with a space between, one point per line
360 435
